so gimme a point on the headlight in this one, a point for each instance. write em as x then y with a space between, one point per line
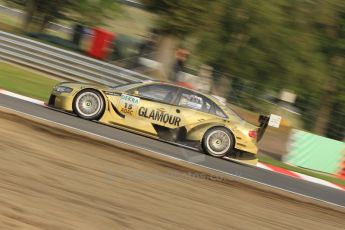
62 89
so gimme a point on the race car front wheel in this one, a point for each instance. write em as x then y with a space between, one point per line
218 141
89 104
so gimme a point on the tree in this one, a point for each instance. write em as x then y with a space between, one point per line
330 23
274 44
88 12
93 13
260 41
177 20
41 12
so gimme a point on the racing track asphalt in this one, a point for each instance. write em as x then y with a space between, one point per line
304 188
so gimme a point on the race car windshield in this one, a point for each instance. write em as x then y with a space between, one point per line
125 87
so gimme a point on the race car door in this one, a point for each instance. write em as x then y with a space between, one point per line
149 105
193 108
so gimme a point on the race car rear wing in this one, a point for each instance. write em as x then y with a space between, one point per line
267 120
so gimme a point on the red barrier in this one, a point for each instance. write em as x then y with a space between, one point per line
341 173
101 43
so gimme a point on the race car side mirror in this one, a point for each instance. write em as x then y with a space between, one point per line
136 93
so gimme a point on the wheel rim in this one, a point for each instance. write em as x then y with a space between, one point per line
88 104
218 142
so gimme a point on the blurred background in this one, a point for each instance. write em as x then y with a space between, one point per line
262 56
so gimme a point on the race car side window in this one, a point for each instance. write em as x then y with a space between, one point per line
195 101
219 112
189 99
160 93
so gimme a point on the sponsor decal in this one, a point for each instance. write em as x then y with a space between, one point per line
159 116
128 104
274 121
127 109
130 99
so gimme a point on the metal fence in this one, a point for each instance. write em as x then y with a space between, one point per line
66 64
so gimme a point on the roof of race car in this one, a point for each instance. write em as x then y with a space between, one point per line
215 99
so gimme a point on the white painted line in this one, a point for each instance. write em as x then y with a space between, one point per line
339 187
21 97
263 166
318 181
304 177
174 158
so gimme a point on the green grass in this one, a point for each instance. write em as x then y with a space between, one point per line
326 177
25 82
11 21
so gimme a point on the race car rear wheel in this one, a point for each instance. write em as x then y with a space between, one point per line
218 142
89 104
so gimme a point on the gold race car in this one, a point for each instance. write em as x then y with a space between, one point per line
165 111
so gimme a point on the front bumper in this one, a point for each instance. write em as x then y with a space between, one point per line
61 101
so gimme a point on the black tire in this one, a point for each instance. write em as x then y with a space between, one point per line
89 104
218 142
